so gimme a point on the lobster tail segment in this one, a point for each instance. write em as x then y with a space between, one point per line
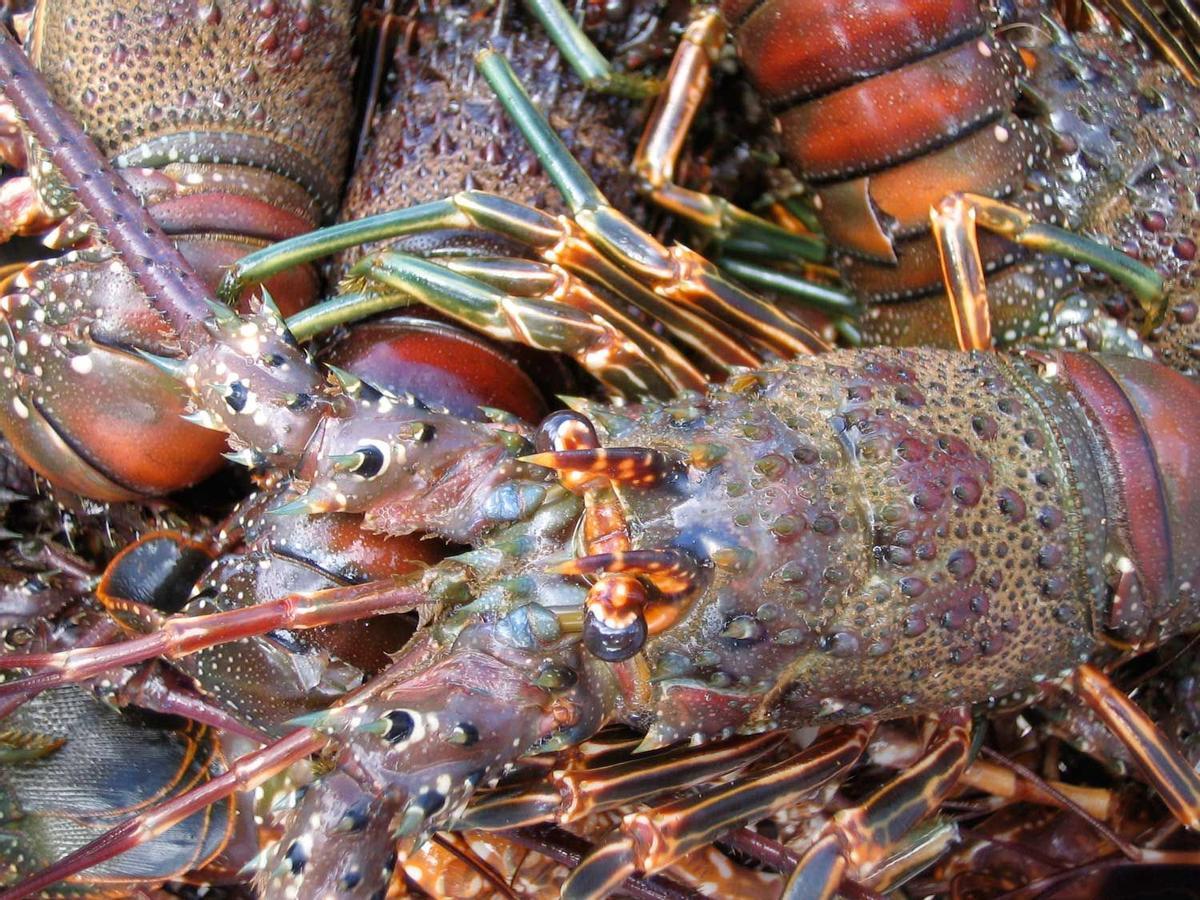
1144 419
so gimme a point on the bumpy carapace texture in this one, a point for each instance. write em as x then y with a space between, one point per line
275 112
887 533
1125 133
876 534
441 130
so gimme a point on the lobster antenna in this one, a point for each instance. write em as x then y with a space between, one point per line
246 773
159 268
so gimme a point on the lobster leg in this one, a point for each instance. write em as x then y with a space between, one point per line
1175 780
559 242
574 793
676 273
682 290
662 141
582 56
1189 17
650 841
862 836
244 774
954 227
1142 18
736 230
564 315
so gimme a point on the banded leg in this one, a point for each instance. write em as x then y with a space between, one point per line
744 239
1142 18
955 221
657 155
557 240
860 838
542 306
649 841
674 111
674 286
1174 779
570 794
243 774
677 273
1188 16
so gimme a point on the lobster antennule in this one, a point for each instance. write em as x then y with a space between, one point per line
1144 416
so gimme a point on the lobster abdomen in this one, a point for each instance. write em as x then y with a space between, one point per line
885 108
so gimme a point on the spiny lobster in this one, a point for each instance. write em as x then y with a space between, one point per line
734 578
248 149
969 113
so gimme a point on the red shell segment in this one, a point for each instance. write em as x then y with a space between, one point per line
1145 415
804 47
441 365
905 111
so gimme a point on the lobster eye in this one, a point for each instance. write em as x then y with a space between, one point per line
297 857
464 734
401 728
613 643
236 395
355 818
371 461
17 636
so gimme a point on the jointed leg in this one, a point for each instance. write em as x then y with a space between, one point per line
650 841
954 227
1175 780
859 839
182 635
244 774
673 286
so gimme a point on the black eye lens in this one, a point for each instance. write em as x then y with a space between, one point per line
372 462
297 857
236 398
401 728
300 402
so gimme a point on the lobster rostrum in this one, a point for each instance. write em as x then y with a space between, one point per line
911 125
747 560
235 136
